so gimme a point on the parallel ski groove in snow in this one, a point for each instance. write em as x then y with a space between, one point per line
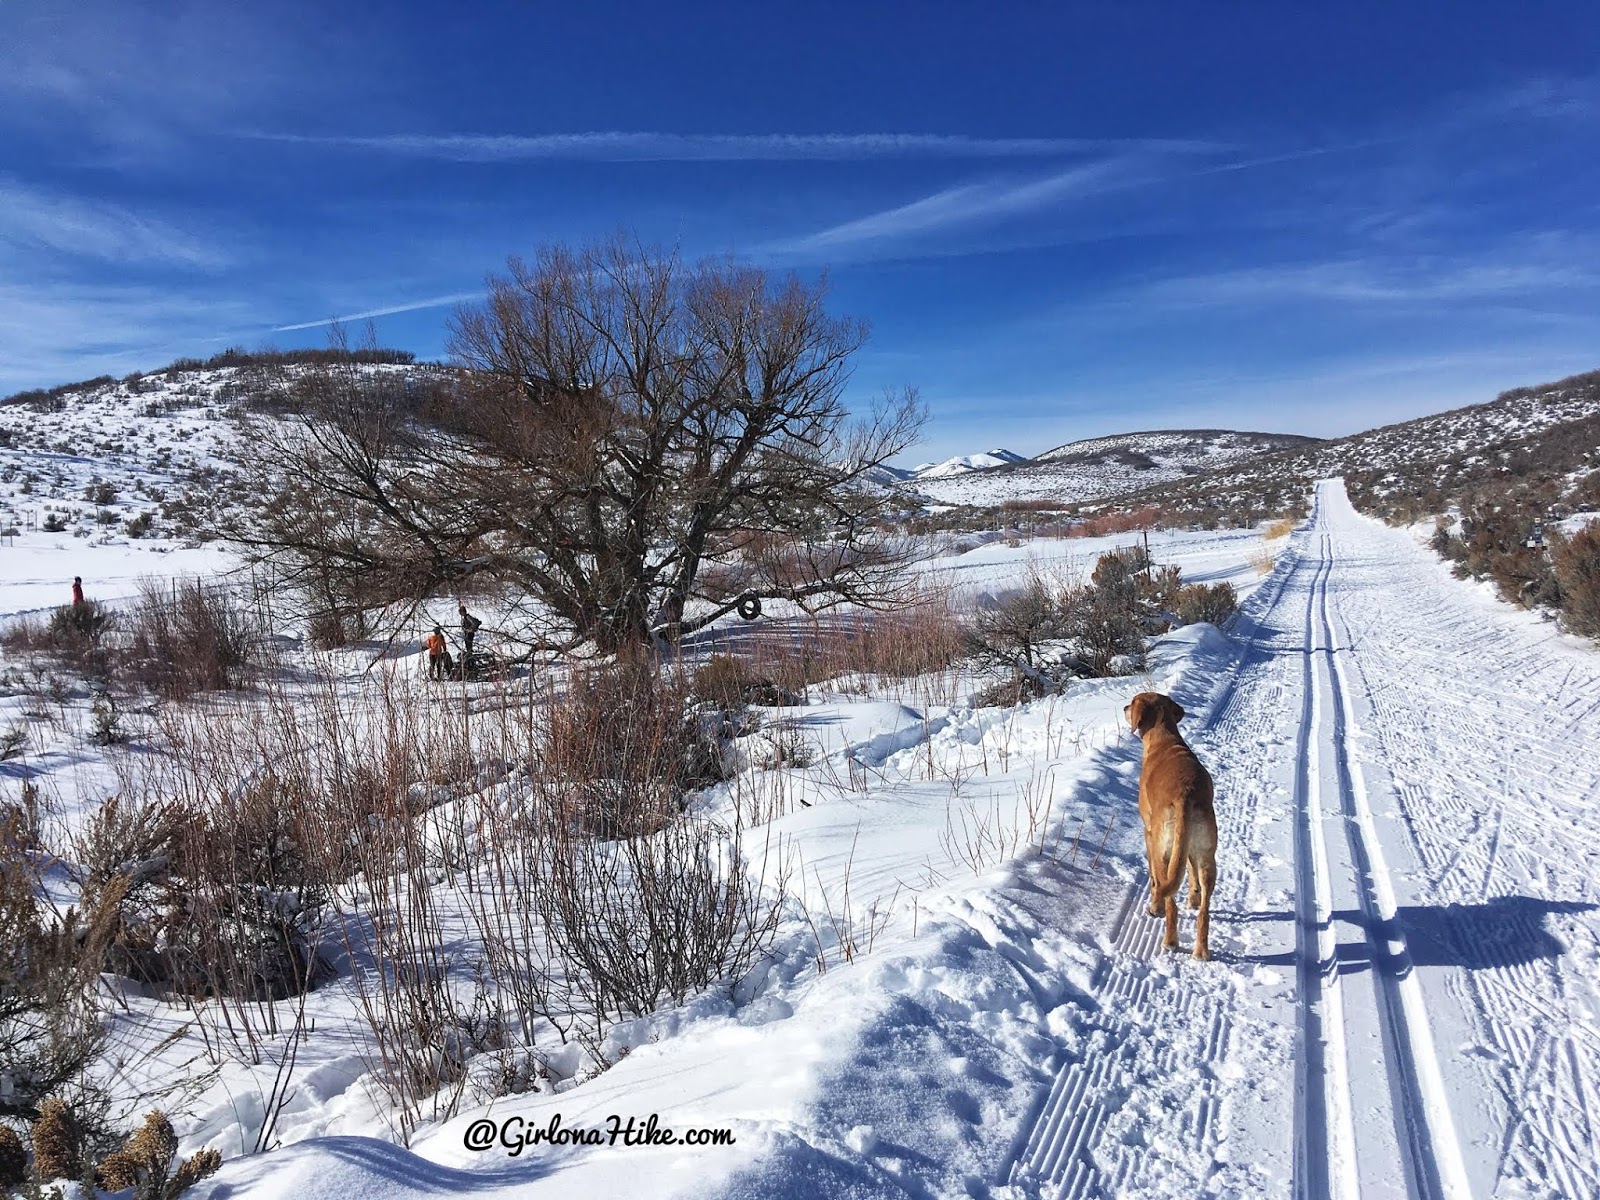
1421 1110
1495 787
1430 770
1324 1138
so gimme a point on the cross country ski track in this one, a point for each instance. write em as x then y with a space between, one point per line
1404 989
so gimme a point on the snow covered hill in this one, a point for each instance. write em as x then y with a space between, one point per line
1435 453
1099 467
166 444
150 459
966 463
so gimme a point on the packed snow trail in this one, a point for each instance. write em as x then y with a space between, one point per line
1404 993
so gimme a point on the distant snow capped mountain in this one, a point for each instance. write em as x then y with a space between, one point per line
964 463
1095 467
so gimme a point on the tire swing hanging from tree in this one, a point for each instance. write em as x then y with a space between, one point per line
750 607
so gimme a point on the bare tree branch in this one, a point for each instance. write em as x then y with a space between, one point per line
632 443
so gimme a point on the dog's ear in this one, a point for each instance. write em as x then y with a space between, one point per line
1144 711
1177 709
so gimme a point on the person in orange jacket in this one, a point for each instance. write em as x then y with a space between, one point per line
438 656
77 591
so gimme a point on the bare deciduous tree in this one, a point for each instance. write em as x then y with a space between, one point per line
635 444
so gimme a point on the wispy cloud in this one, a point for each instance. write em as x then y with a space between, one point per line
621 146
1491 277
31 220
387 311
991 201
1546 97
965 205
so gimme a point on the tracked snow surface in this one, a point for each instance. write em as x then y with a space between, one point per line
1403 995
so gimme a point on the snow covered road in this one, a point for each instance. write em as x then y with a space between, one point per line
1404 996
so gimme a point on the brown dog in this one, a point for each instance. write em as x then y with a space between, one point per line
1180 825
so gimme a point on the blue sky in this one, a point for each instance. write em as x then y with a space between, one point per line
1061 220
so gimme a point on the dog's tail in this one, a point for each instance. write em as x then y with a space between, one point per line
1175 854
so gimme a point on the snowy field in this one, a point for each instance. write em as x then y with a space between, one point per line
964 997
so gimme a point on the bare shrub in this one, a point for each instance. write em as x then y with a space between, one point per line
29 811
1048 633
334 629
1109 523
190 637
72 633
105 715
1105 616
261 824
252 901
13 742
1444 541
57 1141
225 856
623 736
1158 589
1016 690
49 962
786 747
220 903
1213 603
921 639
652 916
1016 630
181 637
125 851
13 1158
146 1160
919 642
731 683
1497 542
1576 559
553 831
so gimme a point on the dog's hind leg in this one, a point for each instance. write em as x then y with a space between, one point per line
1194 886
1167 879
1167 875
1208 882
1155 877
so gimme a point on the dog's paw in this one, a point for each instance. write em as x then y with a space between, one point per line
1153 910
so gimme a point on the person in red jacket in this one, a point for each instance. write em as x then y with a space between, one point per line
77 591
